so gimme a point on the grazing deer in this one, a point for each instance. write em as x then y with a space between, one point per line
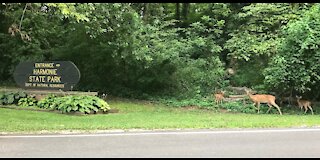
263 98
219 97
304 103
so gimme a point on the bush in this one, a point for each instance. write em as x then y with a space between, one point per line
66 104
239 107
48 102
187 102
296 66
27 102
83 104
11 97
197 78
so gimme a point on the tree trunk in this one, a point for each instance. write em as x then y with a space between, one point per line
145 12
185 10
177 11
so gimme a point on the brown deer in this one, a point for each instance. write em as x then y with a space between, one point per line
304 103
263 98
219 97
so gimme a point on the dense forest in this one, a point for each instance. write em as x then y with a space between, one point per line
180 50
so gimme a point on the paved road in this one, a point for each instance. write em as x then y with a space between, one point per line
292 143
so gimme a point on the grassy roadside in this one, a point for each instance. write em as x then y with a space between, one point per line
143 115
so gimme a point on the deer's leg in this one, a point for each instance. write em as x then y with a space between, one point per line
274 104
254 105
258 106
310 109
305 109
270 106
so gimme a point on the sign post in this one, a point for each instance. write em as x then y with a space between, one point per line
48 75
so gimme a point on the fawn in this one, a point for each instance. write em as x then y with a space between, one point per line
219 97
304 103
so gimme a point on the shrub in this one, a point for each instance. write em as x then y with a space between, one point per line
239 107
202 102
27 102
48 102
83 104
11 97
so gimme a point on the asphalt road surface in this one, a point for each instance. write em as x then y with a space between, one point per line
234 143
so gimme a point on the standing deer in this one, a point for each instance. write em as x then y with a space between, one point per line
263 98
304 103
219 97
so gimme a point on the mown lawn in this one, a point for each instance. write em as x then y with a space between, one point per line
144 115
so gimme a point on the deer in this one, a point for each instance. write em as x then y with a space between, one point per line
263 98
219 97
304 103
288 100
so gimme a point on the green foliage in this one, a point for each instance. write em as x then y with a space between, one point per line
297 64
199 102
249 73
70 10
48 102
27 102
145 50
256 37
40 26
197 78
259 29
148 59
182 67
11 97
67 104
238 107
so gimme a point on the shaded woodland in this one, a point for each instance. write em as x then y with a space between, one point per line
181 50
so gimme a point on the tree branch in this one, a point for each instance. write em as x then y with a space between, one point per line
24 10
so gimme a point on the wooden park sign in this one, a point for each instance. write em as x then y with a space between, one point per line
48 75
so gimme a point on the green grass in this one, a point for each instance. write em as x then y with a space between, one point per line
143 115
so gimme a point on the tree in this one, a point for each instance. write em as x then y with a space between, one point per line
256 35
297 64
